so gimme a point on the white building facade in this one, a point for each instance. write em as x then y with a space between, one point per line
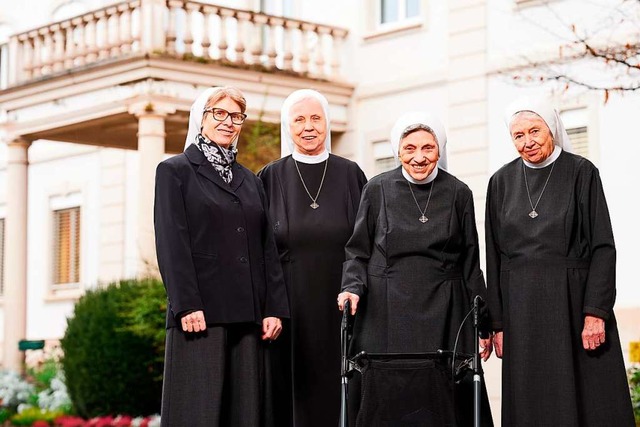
94 93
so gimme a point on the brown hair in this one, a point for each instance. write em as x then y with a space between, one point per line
227 92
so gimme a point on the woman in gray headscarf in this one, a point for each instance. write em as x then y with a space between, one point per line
413 267
219 265
551 281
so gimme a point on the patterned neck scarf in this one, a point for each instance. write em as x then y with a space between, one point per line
220 158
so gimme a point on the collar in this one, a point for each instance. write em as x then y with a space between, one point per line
546 162
304 158
412 180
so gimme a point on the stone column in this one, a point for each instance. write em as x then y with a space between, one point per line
15 288
151 146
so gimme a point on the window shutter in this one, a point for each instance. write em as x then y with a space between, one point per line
579 140
384 164
66 246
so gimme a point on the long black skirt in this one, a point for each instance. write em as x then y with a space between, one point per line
216 378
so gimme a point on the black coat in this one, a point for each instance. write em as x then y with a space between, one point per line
416 281
215 246
543 276
311 246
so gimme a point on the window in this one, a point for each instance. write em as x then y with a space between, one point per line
277 7
66 247
5 31
392 11
579 140
383 157
2 256
575 122
521 4
68 9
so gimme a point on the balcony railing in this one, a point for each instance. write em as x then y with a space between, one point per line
184 29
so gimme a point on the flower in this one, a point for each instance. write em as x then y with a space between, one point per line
69 421
14 390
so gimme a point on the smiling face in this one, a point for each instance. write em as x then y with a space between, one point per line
223 133
308 126
419 154
531 136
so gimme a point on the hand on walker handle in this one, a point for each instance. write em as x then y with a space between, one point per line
353 298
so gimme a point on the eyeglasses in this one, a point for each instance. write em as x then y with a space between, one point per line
221 115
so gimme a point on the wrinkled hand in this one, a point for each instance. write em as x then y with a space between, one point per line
271 328
342 297
497 342
194 322
486 348
593 334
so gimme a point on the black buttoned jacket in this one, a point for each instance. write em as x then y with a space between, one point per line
214 242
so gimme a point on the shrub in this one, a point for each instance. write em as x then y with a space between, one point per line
634 384
112 365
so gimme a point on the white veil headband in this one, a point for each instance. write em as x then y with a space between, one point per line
424 118
196 113
550 115
286 141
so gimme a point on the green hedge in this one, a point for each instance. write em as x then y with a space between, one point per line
113 349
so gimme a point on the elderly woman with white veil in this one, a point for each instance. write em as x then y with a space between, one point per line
551 281
313 199
413 269
219 265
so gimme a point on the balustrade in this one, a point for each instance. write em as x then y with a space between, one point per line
190 30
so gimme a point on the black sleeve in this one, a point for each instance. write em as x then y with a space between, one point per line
358 249
600 291
494 292
474 279
277 303
173 243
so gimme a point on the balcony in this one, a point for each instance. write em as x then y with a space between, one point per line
125 76
85 78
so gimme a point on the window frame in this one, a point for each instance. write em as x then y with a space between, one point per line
402 21
582 116
75 249
382 152
375 29
70 200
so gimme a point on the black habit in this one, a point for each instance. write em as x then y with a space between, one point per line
416 281
543 276
311 247
216 253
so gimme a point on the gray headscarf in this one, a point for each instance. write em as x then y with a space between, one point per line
426 119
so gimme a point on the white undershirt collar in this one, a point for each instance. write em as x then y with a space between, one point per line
546 162
427 180
314 159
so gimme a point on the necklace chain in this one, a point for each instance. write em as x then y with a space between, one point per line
423 218
313 205
533 212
